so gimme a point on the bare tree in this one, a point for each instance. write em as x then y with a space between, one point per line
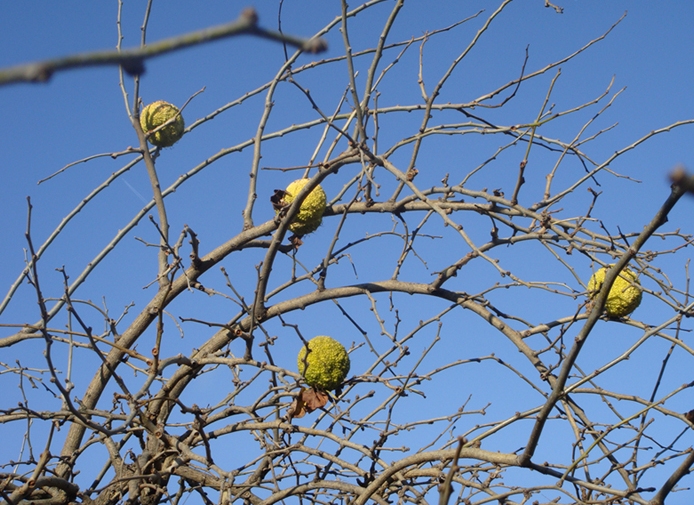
480 371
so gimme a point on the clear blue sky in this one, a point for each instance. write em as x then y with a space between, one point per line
81 113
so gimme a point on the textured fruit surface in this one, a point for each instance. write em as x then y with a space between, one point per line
326 365
155 115
310 215
625 294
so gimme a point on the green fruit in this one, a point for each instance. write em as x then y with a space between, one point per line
155 115
310 215
624 296
326 365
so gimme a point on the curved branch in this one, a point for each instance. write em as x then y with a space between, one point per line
558 391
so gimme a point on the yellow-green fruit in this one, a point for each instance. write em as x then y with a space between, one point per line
310 215
155 115
625 293
326 365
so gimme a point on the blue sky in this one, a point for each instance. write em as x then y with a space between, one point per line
81 113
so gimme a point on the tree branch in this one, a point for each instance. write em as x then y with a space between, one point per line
132 60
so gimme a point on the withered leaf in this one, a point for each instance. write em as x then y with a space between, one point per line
305 402
277 199
313 399
297 409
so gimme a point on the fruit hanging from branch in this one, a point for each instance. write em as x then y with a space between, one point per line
624 296
155 115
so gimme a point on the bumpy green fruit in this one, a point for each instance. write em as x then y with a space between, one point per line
624 296
155 115
310 215
327 364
